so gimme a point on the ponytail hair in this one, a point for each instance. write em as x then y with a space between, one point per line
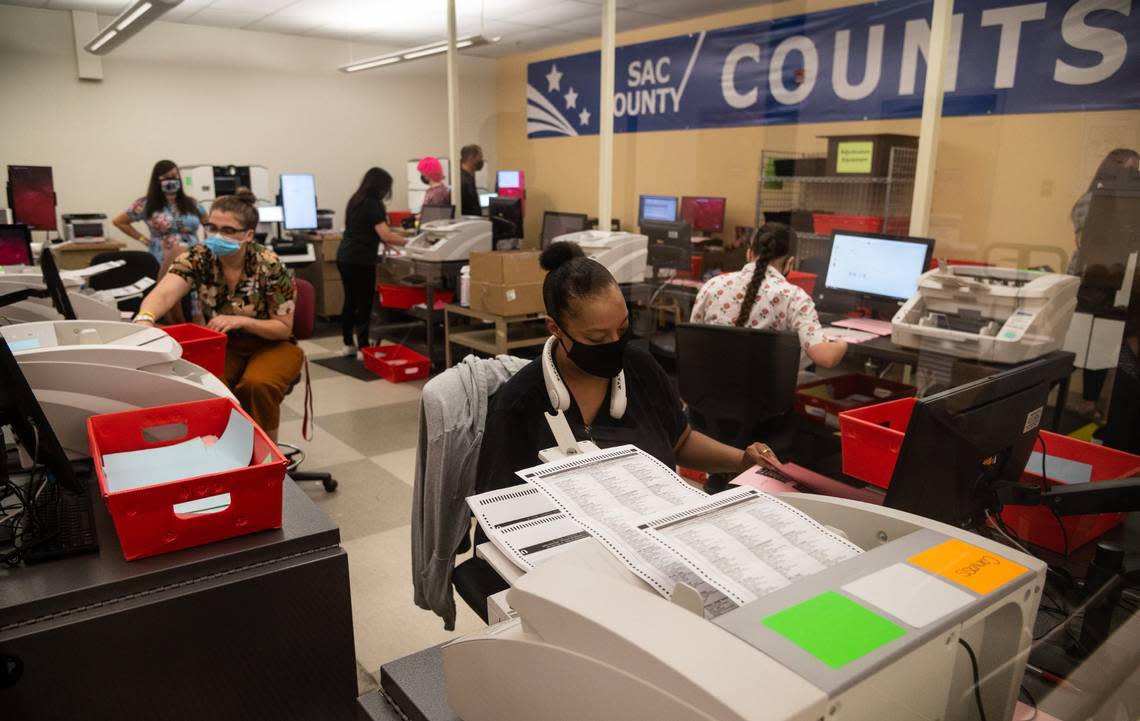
768 242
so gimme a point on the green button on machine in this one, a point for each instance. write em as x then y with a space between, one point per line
833 628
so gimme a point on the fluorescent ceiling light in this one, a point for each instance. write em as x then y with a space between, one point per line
415 53
136 17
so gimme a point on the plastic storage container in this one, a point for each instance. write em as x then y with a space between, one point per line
145 518
1038 525
806 281
872 436
403 297
823 401
824 223
396 363
201 346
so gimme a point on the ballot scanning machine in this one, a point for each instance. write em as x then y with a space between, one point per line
1000 315
82 368
29 281
623 254
886 634
444 239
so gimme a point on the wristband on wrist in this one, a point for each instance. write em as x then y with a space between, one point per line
145 315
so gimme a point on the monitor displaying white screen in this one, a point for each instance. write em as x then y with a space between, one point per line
486 198
659 208
509 179
877 266
270 214
299 201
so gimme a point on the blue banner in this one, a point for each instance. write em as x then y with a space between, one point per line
855 63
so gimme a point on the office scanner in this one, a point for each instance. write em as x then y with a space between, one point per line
623 254
441 240
88 304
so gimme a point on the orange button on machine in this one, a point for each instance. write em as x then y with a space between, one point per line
974 568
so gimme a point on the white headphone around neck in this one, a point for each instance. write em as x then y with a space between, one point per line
558 394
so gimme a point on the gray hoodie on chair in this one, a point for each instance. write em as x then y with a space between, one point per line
453 411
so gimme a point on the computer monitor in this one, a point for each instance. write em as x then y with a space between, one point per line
31 196
963 444
556 224
876 267
506 219
662 208
670 245
436 212
509 180
56 289
21 412
299 201
705 215
270 214
15 245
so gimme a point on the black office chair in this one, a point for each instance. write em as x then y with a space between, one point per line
139 264
739 384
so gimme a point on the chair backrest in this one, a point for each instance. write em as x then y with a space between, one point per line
139 264
735 379
305 312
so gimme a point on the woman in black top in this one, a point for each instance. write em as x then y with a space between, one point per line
588 318
365 227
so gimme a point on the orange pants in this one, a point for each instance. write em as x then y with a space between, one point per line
260 373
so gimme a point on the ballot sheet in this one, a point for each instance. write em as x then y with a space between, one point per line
523 523
610 494
746 543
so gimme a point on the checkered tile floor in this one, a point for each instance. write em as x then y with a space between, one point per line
365 435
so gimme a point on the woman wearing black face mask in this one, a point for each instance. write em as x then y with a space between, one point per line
171 216
589 322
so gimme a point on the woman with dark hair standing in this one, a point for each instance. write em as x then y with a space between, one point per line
171 216
365 227
759 296
611 393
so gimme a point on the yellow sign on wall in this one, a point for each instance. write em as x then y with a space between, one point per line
854 156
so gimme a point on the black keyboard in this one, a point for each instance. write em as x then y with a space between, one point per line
61 524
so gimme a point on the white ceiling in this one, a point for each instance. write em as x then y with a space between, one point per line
523 24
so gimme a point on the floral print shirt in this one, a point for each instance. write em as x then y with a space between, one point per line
264 291
779 304
166 223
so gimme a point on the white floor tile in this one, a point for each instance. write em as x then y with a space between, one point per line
340 394
401 464
323 451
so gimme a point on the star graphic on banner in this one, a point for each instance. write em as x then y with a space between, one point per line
584 117
571 99
553 79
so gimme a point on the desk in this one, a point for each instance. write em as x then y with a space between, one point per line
252 627
296 260
73 256
321 272
493 341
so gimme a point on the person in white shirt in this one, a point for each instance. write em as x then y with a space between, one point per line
759 296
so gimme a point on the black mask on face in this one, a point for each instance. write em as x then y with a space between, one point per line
478 166
424 180
603 360
170 185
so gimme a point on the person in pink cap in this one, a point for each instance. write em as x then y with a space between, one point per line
431 172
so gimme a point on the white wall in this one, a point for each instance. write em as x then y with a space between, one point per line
214 95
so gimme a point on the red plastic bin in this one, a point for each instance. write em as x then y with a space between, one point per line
822 401
806 281
872 436
824 223
403 297
144 518
201 346
1038 525
395 363
396 218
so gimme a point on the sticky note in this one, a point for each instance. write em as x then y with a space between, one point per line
854 156
910 595
971 567
833 628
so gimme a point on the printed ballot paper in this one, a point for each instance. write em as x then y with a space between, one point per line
730 548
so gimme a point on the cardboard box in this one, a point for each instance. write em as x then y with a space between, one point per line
864 156
507 282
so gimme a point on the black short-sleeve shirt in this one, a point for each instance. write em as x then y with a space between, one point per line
468 195
361 243
516 431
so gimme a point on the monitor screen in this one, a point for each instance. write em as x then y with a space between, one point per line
661 208
509 179
60 300
506 219
704 214
299 201
556 224
15 245
270 214
670 244
877 265
436 212
485 199
31 193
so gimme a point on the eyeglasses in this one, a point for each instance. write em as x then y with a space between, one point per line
223 230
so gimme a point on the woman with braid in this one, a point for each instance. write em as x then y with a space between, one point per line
758 296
